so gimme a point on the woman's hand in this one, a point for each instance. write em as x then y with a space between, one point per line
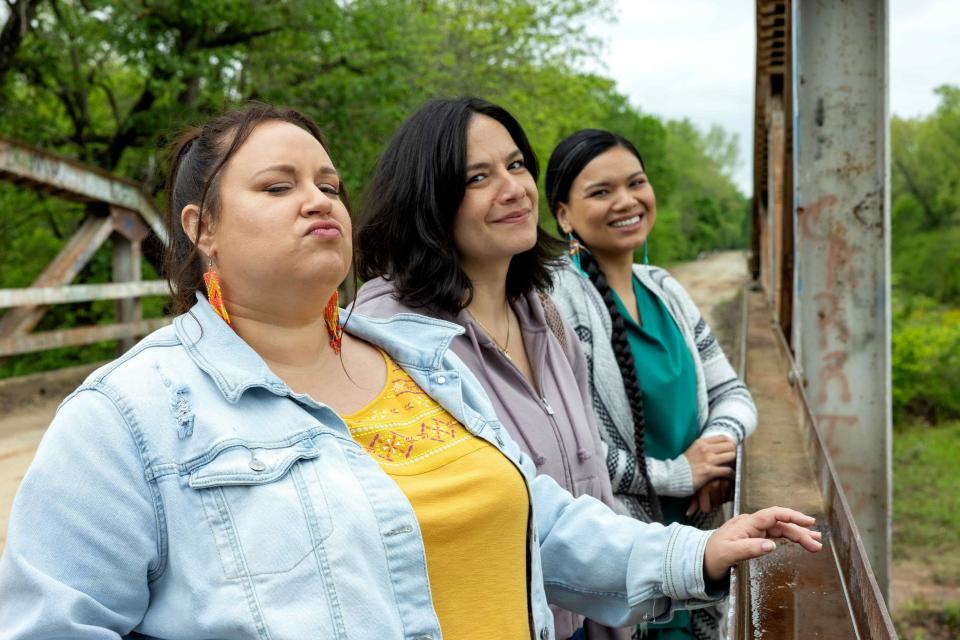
744 537
711 495
711 458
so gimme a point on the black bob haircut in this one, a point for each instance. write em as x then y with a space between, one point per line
574 153
409 207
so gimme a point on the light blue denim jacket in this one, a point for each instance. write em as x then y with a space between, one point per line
184 491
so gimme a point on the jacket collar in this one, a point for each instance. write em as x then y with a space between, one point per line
409 339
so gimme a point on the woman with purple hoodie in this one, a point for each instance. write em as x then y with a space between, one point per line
450 231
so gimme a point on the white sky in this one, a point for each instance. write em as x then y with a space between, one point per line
694 59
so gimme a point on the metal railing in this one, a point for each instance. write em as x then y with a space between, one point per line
130 216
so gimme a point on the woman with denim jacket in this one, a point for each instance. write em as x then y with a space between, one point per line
251 471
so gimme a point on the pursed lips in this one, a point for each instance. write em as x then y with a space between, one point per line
324 229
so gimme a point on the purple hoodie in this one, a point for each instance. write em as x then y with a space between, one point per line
551 420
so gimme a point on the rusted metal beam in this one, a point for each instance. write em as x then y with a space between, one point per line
127 267
77 336
790 594
93 232
870 611
41 170
129 224
81 293
733 606
841 335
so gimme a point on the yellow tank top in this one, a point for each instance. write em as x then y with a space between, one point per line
470 501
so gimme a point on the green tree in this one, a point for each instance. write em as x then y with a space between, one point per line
108 82
925 176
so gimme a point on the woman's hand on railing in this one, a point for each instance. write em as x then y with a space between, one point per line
711 458
746 536
710 496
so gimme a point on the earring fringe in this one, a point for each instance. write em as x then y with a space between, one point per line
575 248
214 293
331 315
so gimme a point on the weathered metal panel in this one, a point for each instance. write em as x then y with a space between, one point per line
77 336
842 302
81 293
67 178
776 124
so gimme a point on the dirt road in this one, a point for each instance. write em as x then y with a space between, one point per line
713 280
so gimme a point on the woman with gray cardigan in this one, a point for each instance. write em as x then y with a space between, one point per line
670 407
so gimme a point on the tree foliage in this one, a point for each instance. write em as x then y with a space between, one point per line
925 175
109 81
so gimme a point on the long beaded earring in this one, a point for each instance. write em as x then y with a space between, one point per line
331 315
214 294
574 249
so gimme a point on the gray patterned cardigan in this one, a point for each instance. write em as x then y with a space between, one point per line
724 406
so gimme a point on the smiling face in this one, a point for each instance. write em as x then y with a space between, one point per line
611 204
497 218
282 228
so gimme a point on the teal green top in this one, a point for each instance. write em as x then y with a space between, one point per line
668 381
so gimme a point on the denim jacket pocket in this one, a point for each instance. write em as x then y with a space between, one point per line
265 506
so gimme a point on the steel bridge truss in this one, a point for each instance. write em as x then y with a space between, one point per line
130 217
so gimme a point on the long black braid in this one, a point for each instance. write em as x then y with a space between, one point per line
621 350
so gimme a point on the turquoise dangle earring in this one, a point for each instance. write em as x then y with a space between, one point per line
646 251
574 245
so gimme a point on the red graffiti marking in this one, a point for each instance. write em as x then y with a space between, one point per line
818 225
810 216
830 425
840 258
828 315
833 364
831 420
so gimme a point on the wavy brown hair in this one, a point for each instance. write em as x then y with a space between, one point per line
198 157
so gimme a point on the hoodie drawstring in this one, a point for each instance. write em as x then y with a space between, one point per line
583 454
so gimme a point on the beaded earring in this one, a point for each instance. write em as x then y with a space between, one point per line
214 294
574 249
331 315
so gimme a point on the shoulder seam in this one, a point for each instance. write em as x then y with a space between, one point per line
112 394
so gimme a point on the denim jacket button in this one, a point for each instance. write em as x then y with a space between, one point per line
256 465
441 380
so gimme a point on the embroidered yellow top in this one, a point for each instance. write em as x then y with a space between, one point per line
469 499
